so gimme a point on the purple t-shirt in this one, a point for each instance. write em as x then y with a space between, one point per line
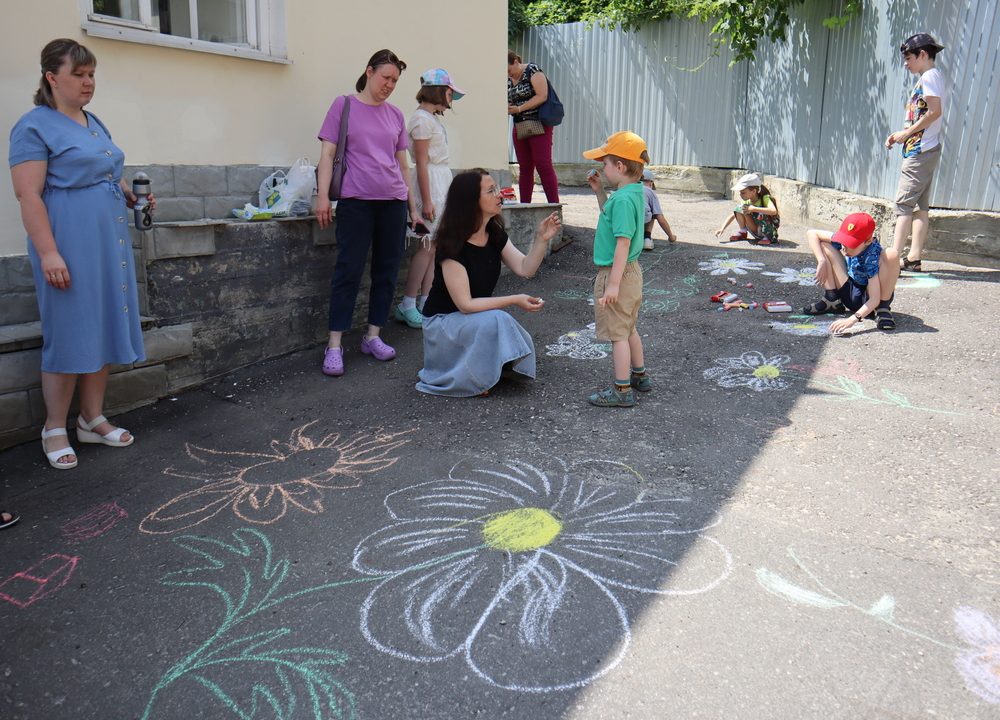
375 133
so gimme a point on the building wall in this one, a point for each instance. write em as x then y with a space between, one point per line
166 106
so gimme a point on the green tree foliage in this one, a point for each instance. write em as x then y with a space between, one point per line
739 24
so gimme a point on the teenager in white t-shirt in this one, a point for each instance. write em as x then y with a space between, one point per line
920 139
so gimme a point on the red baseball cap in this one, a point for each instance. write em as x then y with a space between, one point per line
856 230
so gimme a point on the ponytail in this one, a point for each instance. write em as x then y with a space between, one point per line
54 55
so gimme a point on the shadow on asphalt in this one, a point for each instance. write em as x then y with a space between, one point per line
283 538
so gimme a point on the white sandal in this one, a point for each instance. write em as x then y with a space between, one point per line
56 455
85 433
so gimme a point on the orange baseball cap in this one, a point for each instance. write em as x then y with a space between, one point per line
856 230
624 144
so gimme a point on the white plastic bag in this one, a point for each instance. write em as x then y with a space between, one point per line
281 190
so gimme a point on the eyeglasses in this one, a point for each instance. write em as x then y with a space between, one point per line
494 191
387 58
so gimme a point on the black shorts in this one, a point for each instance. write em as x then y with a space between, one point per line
852 294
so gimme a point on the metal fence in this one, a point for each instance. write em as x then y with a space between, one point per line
815 108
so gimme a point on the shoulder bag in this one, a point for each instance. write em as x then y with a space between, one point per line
551 112
337 179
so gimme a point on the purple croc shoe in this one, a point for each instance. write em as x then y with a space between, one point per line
333 362
377 349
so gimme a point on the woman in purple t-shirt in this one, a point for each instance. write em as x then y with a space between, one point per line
371 213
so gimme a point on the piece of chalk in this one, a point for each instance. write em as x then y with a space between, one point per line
749 285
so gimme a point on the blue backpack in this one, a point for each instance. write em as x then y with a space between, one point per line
551 112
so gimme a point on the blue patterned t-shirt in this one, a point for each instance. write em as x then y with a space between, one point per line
865 265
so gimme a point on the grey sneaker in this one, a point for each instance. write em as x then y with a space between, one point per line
647 243
612 398
640 383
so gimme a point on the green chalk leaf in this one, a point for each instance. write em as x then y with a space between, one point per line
774 583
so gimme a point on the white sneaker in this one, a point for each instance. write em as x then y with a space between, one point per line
647 243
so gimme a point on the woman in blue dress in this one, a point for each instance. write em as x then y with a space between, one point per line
67 176
469 338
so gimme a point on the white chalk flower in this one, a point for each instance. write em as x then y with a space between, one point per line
725 266
751 369
801 276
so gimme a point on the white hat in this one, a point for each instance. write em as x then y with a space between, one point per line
747 181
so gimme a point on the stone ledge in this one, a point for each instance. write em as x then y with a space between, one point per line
24 336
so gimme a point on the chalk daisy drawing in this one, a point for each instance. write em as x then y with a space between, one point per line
729 266
579 345
260 488
979 663
799 276
503 565
751 369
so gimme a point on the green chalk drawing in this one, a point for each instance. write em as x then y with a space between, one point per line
919 282
847 389
977 661
655 300
287 681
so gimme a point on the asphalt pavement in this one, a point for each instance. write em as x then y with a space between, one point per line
790 525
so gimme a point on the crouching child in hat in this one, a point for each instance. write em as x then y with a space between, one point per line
617 245
857 275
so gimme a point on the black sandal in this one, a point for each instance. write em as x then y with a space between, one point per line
823 307
884 320
910 265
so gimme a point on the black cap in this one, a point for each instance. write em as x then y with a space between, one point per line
920 40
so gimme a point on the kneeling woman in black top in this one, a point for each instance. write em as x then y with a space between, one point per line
468 337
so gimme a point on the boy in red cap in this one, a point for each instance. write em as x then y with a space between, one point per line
617 246
855 272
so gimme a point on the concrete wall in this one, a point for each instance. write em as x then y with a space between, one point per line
167 106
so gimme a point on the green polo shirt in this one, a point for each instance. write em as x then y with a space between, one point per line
622 217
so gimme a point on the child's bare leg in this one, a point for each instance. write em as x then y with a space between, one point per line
920 229
751 224
419 263
838 264
888 274
636 355
741 220
648 229
425 286
621 355
904 224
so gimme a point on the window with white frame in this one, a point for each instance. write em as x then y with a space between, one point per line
249 28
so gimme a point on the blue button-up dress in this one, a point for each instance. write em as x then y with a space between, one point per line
96 321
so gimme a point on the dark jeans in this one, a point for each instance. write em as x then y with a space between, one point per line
362 224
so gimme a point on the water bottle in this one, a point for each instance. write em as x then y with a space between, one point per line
141 209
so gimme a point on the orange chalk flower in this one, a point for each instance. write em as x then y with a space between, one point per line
261 487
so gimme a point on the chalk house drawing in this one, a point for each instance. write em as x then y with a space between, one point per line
752 369
579 345
93 523
799 276
978 661
729 266
502 565
251 644
261 487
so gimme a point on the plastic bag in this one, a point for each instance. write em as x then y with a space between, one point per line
282 190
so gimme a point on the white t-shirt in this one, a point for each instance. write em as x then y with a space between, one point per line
931 84
427 126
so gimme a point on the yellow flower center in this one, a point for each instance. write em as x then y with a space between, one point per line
768 372
521 530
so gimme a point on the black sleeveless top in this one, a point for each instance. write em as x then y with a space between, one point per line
481 263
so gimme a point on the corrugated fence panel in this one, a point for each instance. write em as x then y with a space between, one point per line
611 80
780 130
815 108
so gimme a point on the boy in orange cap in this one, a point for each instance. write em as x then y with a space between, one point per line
855 272
617 246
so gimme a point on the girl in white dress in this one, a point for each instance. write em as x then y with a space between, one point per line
431 180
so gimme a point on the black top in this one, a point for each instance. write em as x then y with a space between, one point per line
522 91
481 263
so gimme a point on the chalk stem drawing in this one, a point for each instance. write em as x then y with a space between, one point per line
531 553
978 661
654 299
287 681
847 389
260 488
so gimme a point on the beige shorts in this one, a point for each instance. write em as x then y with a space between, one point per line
914 191
616 322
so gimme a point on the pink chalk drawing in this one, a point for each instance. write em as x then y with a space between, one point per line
94 523
40 580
